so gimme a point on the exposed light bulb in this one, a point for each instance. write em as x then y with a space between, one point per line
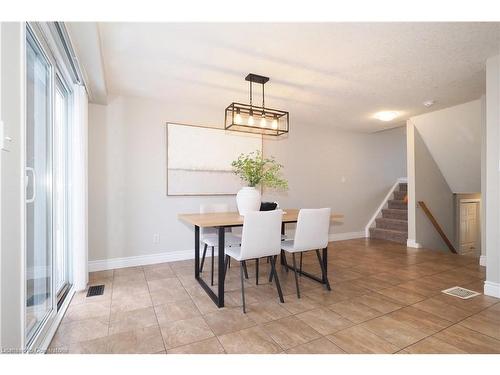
237 119
250 120
263 123
275 124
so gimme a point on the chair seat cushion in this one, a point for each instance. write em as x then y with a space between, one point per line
288 245
234 252
213 239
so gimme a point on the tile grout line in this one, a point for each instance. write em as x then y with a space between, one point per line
154 311
395 258
452 325
202 316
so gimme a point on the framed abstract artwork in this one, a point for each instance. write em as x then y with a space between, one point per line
199 159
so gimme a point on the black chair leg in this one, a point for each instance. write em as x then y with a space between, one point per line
300 266
325 276
245 269
242 286
285 263
226 262
203 257
212 281
229 263
271 274
296 277
276 278
257 271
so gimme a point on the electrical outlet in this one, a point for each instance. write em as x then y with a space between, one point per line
156 238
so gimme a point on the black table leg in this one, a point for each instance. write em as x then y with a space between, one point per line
220 279
219 297
196 251
282 261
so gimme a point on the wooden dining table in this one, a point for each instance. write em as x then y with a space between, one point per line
223 220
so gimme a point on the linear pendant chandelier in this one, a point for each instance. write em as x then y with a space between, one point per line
249 118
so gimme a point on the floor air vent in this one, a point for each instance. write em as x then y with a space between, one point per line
96 290
459 292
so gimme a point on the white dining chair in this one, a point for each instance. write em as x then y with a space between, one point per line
311 234
210 238
261 237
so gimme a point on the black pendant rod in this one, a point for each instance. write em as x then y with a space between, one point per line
250 94
263 106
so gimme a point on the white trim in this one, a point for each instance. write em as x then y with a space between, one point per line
383 204
413 243
141 260
346 236
56 321
482 260
172 256
492 289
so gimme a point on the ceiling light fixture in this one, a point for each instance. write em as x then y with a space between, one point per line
241 117
429 103
386 115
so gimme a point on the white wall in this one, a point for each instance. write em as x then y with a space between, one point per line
432 189
492 188
127 166
453 137
12 193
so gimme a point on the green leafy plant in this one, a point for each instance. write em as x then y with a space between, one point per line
255 170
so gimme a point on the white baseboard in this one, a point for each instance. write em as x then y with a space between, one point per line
172 256
492 289
346 236
140 260
413 243
482 260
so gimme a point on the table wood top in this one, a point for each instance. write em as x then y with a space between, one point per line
223 219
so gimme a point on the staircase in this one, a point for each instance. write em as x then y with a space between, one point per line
393 225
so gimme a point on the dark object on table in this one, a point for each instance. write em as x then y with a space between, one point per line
268 206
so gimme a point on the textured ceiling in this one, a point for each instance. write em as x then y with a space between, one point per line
330 74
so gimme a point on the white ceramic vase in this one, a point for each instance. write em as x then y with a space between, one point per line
248 200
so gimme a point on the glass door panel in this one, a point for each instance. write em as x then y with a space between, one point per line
61 276
38 189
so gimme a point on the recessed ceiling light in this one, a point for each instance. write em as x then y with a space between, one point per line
386 115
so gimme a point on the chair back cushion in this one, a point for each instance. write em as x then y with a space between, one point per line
261 234
312 229
268 206
208 208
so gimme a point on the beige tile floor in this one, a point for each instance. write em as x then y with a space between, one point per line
385 298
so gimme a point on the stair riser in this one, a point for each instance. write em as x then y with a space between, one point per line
399 214
398 237
398 205
387 224
399 195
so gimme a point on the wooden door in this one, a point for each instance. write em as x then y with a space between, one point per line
468 226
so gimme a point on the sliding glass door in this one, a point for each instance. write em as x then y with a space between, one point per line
61 191
48 114
39 298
